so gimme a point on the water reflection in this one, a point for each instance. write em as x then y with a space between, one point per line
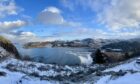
62 56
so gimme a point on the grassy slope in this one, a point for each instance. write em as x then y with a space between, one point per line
7 45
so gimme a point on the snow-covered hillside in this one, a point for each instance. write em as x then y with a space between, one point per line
14 71
129 73
38 73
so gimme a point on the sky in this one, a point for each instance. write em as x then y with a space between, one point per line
47 20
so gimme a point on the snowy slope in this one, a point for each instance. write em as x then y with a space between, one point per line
131 76
15 77
46 73
127 79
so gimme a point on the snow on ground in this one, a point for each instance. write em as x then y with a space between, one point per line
127 66
24 71
129 78
13 77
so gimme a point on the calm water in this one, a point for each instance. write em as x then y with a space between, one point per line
62 56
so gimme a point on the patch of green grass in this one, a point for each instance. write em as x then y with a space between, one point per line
3 40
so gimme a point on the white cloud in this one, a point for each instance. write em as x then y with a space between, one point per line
94 5
52 16
7 26
68 4
52 9
20 37
115 14
121 14
8 7
25 36
124 35
99 33
121 17
79 33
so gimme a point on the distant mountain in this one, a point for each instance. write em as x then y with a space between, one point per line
88 42
97 43
35 44
132 45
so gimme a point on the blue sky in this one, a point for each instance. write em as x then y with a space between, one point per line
39 20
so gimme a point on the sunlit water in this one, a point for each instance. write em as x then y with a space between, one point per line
62 56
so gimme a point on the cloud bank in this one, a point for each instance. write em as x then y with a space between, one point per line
7 26
120 17
8 7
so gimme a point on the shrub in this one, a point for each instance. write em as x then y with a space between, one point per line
35 74
27 58
42 68
98 57
11 67
2 73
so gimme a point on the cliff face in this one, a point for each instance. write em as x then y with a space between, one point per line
8 46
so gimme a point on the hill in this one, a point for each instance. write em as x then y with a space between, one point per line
8 46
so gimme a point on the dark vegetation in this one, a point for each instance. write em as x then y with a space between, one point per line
35 74
129 49
2 73
7 45
107 57
98 57
27 58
